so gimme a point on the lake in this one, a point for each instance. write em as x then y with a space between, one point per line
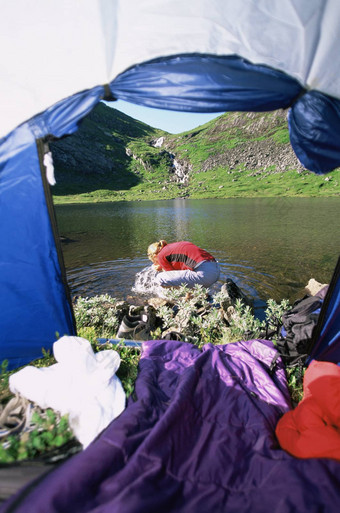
270 247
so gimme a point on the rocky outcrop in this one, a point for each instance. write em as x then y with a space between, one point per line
83 154
257 155
179 169
146 165
255 141
112 146
98 148
159 142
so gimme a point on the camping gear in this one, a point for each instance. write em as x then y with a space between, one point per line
195 56
13 416
136 327
82 384
298 324
325 342
62 58
198 435
312 429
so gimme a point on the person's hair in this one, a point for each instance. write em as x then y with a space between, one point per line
155 248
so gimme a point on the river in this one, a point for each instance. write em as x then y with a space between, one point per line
270 247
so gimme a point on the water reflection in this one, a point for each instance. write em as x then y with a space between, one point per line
269 247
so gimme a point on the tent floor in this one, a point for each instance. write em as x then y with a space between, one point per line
14 476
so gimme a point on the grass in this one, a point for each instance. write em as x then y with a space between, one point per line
217 183
50 437
111 158
192 314
242 182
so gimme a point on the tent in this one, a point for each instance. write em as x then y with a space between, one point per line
58 60
62 58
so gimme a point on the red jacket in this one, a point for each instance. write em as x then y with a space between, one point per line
181 256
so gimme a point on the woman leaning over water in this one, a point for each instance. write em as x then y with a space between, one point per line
183 263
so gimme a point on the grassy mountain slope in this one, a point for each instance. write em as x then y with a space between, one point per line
95 158
114 157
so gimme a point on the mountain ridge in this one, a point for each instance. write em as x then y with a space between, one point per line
113 156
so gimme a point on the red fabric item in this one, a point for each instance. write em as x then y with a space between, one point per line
312 429
179 256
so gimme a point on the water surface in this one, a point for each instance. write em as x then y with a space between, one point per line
270 247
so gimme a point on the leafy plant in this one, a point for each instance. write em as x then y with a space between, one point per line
295 383
274 312
89 333
4 375
192 315
50 431
128 368
243 325
200 318
101 313
215 320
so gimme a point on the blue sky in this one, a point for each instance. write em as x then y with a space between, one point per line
173 122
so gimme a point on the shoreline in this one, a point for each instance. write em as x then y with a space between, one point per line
93 198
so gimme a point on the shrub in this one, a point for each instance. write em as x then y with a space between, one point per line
199 317
102 313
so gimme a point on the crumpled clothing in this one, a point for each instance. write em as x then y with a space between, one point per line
312 429
82 384
48 163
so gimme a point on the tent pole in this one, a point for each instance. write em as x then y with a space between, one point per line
43 148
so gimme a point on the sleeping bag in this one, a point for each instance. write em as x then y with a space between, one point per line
312 429
197 436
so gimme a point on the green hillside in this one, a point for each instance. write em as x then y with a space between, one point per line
114 157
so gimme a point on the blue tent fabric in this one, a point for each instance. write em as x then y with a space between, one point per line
197 436
313 120
34 306
205 83
64 117
326 339
34 303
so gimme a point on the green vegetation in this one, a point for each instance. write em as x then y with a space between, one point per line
218 183
50 435
112 157
189 312
243 183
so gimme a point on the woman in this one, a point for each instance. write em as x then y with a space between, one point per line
183 263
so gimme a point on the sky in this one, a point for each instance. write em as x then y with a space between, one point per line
171 121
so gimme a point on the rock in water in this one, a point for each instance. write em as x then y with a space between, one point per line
233 292
313 287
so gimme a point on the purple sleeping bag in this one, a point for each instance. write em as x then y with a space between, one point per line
198 435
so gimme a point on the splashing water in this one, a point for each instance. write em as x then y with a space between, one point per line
145 283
